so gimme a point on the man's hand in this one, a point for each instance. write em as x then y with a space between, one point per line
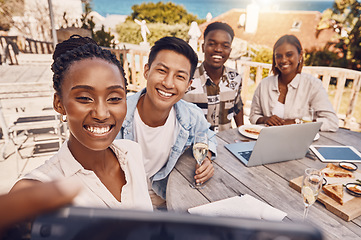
205 171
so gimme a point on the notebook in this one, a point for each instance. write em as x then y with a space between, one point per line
276 144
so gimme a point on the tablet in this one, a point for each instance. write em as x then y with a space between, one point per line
328 153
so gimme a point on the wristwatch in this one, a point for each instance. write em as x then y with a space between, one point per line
298 121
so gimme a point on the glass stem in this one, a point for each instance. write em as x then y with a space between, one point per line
305 212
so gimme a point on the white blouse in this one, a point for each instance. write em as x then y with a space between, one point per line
279 109
304 92
134 193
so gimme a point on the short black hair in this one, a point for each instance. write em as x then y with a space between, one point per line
174 44
221 26
74 49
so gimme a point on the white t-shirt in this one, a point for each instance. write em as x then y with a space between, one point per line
156 143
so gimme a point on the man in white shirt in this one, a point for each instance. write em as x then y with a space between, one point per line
160 121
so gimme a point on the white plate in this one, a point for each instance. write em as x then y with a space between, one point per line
242 130
316 137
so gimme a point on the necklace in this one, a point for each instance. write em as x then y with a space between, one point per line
282 88
282 92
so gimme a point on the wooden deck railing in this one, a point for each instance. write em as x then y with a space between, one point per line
9 49
133 63
29 46
326 74
39 47
13 45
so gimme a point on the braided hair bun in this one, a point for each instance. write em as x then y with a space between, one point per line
77 48
73 42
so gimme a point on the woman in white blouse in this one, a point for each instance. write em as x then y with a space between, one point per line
289 95
90 94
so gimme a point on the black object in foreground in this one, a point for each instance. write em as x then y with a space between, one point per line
107 224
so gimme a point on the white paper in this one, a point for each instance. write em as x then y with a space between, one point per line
244 206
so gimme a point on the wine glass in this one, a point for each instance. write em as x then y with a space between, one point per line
308 116
311 186
312 113
200 151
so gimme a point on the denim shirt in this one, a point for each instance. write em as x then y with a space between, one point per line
191 120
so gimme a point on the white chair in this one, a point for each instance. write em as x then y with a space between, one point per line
27 120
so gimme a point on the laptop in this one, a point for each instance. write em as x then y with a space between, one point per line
276 144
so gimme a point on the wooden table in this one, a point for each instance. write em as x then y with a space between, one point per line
269 183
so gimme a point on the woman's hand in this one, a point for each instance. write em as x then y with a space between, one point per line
290 121
205 171
273 120
30 200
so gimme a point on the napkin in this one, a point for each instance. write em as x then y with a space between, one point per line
244 206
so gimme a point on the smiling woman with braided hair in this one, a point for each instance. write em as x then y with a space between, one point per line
90 94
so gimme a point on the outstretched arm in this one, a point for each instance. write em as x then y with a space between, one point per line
29 198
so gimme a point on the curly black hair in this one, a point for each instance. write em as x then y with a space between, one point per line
74 49
219 26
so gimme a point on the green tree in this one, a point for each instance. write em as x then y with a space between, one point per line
345 20
86 22
262 54
102 37
129 32
313 57
168 13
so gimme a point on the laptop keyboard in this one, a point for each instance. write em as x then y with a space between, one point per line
246 154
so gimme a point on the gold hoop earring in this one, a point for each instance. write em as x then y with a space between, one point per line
63 118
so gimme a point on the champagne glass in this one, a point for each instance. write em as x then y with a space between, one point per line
308 115
311 186
200 150
312 113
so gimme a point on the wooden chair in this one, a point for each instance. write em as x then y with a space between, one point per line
27 120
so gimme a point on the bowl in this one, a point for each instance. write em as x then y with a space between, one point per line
354 189
348 166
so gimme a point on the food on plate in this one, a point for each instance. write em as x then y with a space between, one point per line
251 130
335 191
332 170
348 166
355 188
